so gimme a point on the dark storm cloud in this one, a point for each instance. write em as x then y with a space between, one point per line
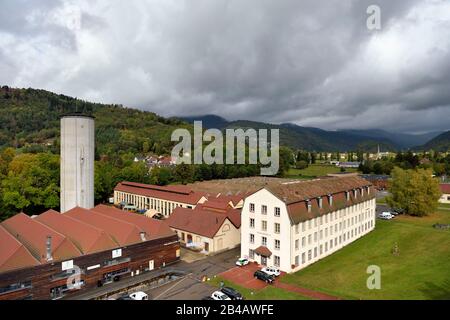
314 63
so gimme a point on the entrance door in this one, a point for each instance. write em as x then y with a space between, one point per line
189 239
151 265
207 246
264 261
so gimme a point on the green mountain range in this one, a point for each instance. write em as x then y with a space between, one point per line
314 139
30 120
440 143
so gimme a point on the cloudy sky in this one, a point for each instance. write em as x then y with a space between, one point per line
310 62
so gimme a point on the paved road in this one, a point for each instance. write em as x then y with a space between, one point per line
191 287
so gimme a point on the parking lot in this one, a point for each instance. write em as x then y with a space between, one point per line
191 287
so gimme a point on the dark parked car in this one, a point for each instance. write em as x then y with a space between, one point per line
264 276
232 293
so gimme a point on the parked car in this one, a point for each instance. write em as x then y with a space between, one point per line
242 262
208 298
232 293
139 296
219 295
386 215
264 276
272 271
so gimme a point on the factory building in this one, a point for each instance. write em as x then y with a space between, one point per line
54 255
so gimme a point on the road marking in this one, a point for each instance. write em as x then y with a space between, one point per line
163 293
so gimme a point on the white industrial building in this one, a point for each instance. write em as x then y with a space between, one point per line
291 225
77 161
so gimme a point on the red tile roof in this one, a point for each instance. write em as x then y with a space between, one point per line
177 193
33 235
13 254
263 251
123 233
445 188
86 237
302 190
202 222
153 228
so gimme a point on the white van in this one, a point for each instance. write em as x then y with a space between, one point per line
386 215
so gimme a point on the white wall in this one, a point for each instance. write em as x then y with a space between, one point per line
264 197
77 162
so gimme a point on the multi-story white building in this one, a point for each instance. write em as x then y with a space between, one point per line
291 225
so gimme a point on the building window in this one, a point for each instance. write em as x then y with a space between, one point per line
277 261
297 261
315 236
297 228
264 241
309 255
331 244
309 239
252 223
320 249
277 228
320 200
296 244
252 207
252 238
315 252
251 254
277 244
303 241
303 258
277 212
264 225
263 209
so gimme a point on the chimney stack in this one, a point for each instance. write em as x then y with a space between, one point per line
49 248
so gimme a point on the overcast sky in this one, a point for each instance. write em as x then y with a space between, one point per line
313 63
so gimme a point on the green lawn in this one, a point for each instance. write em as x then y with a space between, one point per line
314 171
420 271
268 293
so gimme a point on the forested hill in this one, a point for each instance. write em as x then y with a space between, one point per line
30 120
441 143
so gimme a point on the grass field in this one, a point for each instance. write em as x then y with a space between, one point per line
420 271
314 171
268 293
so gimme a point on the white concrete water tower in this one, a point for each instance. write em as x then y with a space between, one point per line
77 161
